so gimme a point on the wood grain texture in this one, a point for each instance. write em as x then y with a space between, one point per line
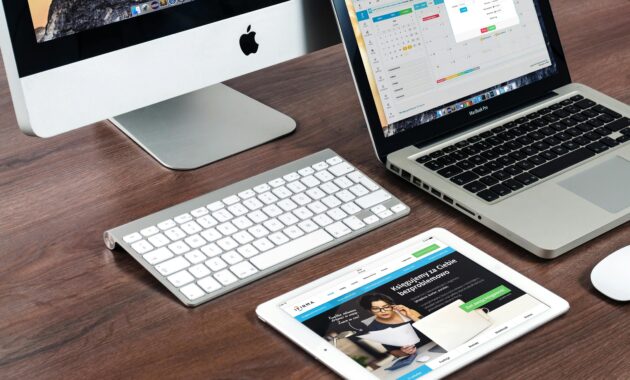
69 308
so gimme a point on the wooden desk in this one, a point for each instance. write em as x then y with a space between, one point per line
69 308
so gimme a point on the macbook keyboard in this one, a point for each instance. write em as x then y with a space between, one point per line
218 242
511 157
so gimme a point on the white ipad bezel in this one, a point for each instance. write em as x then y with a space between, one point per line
271 313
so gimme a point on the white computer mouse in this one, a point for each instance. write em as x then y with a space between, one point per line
612 275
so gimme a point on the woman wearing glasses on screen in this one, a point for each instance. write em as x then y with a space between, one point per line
388 314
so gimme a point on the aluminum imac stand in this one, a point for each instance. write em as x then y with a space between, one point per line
196 129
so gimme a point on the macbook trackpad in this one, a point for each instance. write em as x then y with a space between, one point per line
606 185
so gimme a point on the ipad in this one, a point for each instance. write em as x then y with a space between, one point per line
421 309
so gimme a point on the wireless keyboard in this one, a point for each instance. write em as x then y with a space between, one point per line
216 243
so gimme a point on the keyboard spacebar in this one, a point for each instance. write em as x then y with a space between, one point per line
291 249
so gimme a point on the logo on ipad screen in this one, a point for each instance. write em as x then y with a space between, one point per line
248 42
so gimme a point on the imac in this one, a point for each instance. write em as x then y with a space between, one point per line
155 68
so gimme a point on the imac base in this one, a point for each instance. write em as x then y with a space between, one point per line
204 126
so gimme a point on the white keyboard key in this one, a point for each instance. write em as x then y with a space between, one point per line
277 182
336 213
320 166
227 228
355 176
359 190
343 182
371 185
179 247
132 238
331 201
282 192
334 160
159 240
199 271
175 233
262 188
231 200
315 193
243 270
272 211
274 225
257 216
306 171
291 177
222 215
225 277
232 257
253 204
171 266
292 249
378 209
351 208
278 238
183 218
385 214
207 221
192 292
258 231
399 208
310 181
157 256
263 244
149 231
181 278
296 187
345 196
195 257
324 176
330 188
317 207
247 250
301 199
371 219
238 209
199 212
242 222
195 241
211 250
303 213
215 206
227 243
288 219
247 194
322 219
142 246
308 226
373 199
211 235
191 227
267 198
340 169
209 284
354 223
338 229
287 205
216 264
166 225
293 232
242 237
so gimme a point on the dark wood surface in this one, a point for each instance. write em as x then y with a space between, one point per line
69 308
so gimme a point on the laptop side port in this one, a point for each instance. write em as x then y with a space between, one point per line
447 199
436 193
406 175
394 168
465 209
417 182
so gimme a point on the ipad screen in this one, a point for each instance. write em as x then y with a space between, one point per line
413 311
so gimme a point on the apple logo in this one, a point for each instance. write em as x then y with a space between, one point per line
248 42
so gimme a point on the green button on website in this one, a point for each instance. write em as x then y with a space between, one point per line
485 298
426 250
